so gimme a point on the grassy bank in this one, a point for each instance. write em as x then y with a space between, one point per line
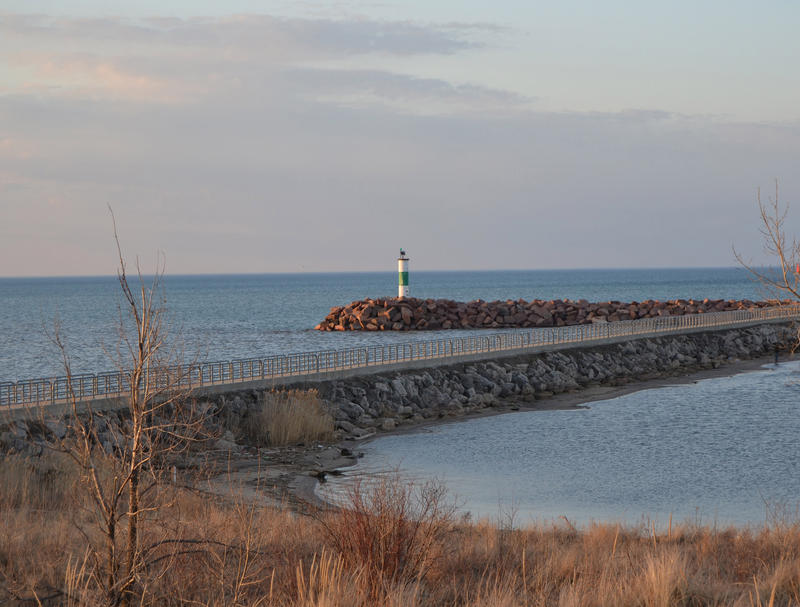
395 545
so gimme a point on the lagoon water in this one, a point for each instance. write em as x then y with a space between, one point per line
721 450
247 316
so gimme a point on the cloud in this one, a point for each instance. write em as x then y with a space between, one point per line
259 144
252 33
245 56
85 75
359 88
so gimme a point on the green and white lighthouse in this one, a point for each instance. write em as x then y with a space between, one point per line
402 275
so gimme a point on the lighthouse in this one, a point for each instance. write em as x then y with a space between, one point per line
402 275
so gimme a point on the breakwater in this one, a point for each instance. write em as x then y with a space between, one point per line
366 404
362 405
393 314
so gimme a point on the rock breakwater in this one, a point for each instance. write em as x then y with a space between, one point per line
381 402
366 404
393 314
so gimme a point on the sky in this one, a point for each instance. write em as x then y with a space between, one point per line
304 136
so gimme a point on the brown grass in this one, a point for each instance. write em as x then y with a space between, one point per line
395 546
290 417
34 484
391 531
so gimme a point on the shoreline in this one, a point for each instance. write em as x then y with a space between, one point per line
304 485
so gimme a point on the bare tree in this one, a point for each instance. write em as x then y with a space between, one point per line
784 283
123 452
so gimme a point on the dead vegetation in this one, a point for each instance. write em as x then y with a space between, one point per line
119 465
393 544
289 417
392 531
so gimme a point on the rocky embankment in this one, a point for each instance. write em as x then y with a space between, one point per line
365 404
407 314
381 402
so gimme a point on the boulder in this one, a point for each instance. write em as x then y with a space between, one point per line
430 314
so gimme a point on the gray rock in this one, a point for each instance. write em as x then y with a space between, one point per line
380 386
345 425
508 389
432 396
353 410
454 405
366 420
340 414
399 388
357 392
520 379
488 399
411 388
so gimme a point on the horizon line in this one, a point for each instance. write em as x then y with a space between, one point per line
426 271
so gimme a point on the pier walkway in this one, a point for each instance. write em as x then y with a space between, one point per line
333 364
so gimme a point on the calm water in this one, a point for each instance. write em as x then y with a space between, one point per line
225 317
719 450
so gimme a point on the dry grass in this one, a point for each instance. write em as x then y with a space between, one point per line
34 484
392 531
290 417
393 547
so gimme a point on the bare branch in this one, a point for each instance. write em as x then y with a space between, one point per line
786 282
119 455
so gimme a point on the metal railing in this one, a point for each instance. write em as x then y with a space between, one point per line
115 383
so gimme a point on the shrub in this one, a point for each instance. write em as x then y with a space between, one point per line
289 417
392 530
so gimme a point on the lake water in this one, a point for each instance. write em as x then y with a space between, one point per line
717 449
247 316
720 450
